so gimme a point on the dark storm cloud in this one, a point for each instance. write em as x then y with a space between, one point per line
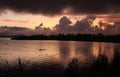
110 28
84 26
33 6
81 26
95 6
65 26
52 7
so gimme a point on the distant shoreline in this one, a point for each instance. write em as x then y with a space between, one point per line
71 37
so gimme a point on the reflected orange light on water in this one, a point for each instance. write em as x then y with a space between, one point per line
103 48
54 51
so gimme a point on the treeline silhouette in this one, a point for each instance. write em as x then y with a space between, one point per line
72 37
101 67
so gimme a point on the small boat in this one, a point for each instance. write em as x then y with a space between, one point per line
41 49
6 43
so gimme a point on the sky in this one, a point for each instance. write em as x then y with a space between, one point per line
27 20
56 15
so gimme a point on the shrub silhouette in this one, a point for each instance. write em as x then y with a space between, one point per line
72 69
101 67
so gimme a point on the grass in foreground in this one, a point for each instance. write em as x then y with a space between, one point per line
100 68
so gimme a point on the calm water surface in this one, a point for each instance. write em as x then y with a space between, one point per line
54 51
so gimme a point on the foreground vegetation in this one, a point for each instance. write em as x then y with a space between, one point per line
101 67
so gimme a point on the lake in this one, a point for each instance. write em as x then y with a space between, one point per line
54 51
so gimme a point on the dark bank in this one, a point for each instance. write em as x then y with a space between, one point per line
71 37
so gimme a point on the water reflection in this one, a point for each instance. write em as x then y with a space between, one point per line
103 48
83 51
64 51
58 51
72 49
116 46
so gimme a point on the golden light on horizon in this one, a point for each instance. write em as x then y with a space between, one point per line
31 21
27 20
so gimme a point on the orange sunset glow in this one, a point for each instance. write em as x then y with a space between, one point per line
59 38
30 21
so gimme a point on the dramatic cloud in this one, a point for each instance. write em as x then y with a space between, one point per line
81 26
85 26
52 7
65 26
111 29
42 30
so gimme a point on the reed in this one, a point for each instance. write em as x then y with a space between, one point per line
100 67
